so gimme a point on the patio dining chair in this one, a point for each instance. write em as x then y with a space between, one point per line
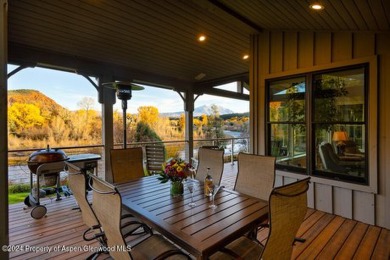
129 224
256 175
155 157
213 159
287 210
256 178
127 164
332 162
108 208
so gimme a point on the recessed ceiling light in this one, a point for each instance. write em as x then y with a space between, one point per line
316 6
202 38
245 57
200 76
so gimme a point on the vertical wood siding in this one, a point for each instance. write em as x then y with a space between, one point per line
283 52
382 45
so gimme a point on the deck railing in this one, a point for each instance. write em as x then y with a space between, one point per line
18 171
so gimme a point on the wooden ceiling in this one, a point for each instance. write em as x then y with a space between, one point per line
155 41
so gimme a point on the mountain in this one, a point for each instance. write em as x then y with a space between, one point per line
47 105
198 111
206 109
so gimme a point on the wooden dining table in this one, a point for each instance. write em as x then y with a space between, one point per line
199 230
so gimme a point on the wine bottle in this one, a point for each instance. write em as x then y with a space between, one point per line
208 183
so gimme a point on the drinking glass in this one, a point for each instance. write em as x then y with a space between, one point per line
192 172
214 190
192 187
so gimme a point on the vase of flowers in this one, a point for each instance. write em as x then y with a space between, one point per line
177 188
176 171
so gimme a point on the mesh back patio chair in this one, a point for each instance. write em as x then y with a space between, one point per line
287 210
77 184
256 178
332 162
127 164
155 157
108 207
129 225
195 161
256 175
213 159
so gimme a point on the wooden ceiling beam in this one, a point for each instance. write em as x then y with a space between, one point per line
20 55
204 85
223 93
236 15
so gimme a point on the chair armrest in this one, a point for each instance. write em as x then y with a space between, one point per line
194 162
351 158
131 226
358 155
91 234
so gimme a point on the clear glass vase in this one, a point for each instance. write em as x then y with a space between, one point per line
177 188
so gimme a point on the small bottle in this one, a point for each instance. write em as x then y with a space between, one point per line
208 183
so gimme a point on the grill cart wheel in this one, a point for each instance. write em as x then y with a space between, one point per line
38 212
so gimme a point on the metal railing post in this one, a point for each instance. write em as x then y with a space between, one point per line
232 151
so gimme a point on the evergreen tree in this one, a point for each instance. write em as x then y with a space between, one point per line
145 133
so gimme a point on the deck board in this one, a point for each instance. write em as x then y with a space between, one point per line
318 244
334 244
353 241
327 236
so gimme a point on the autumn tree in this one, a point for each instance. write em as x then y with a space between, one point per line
148 115
77 125
167 129
22 117
200 123
117 127
204 119
86 104
214 124
131 125
58 129
182 123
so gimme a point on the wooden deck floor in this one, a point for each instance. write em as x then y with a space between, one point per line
327 236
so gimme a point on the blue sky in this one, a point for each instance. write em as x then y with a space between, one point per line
67 89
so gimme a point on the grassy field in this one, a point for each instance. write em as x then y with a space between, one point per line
17 197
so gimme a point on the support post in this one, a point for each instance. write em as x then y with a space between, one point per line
4 230
256 115
189 124
107 98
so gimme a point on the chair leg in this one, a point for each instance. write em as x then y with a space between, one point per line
300 240
98 253
252 234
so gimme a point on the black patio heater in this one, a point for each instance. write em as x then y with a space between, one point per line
123 92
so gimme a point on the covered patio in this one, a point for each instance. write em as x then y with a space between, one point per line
248 42
327 236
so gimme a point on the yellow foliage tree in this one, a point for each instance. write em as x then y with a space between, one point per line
58 130
182 123
204 119
24 116
148 115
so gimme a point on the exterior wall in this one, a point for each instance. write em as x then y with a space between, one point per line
279 53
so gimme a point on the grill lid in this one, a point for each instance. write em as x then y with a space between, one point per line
45 156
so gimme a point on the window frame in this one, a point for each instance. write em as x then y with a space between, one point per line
371 121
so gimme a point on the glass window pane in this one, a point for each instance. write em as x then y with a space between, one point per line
340 152
336 106
288 144
287 100
339 96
